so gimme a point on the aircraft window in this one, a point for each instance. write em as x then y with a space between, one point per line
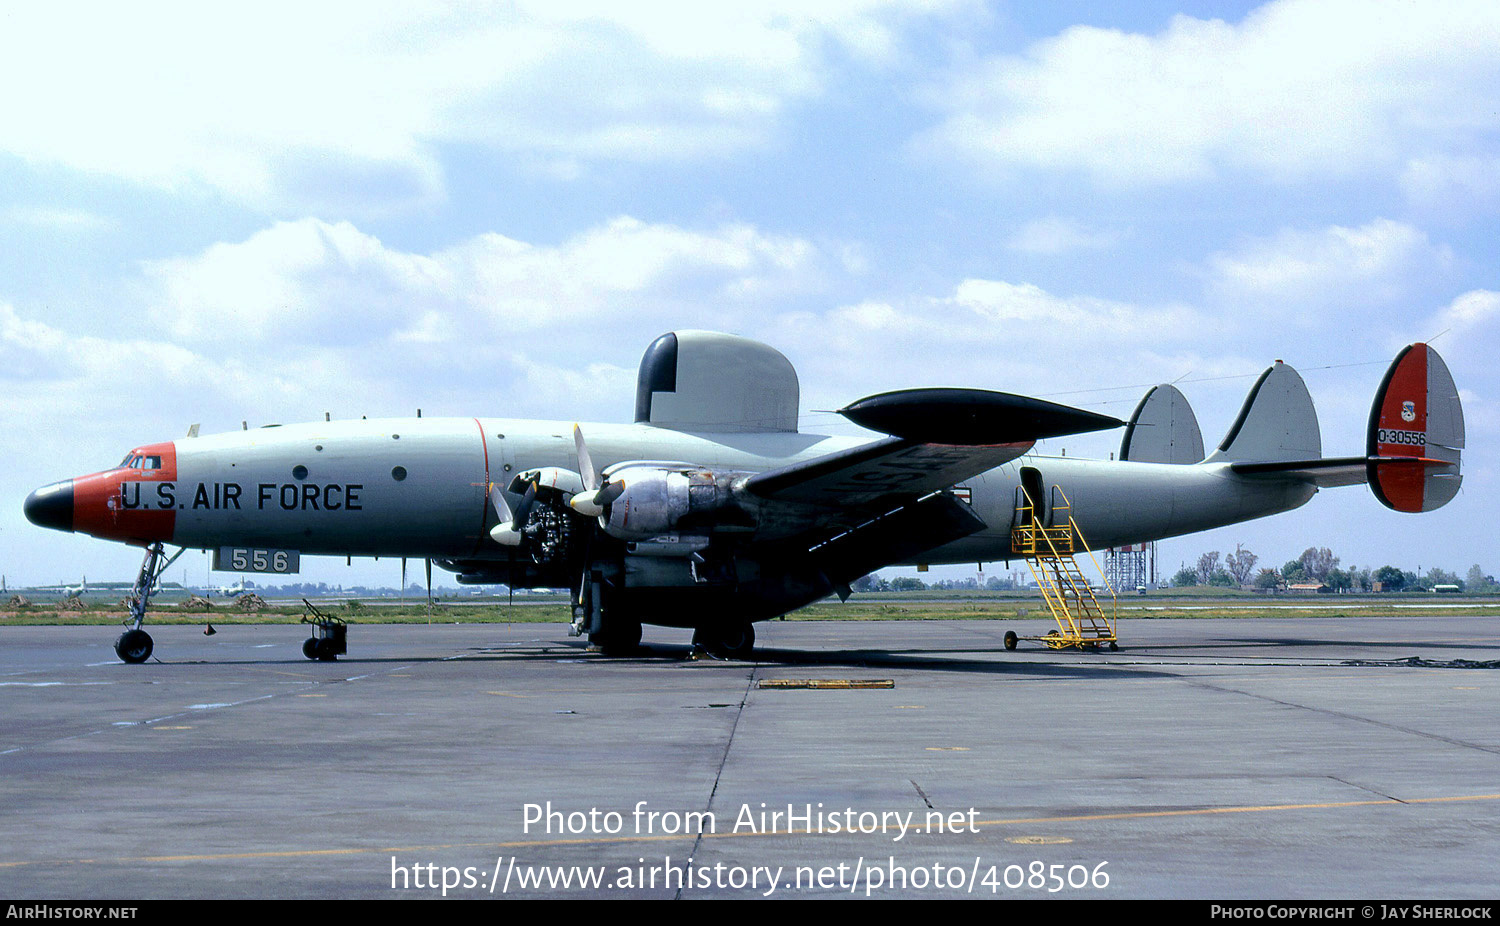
125 463
151 462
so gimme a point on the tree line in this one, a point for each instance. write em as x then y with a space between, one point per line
1318 565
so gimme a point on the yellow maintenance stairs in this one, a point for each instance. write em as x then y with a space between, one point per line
1048 550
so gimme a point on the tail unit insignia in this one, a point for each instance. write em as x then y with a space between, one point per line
1416 433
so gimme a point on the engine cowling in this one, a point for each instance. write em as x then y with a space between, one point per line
661 499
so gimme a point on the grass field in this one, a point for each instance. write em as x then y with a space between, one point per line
884 607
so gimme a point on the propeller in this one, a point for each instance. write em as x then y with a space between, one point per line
508 531
595 495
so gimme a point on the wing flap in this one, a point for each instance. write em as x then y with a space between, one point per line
900 535
890 467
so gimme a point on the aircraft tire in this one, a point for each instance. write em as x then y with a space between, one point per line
325 651
739 642
133 646
310 647
731 641
1010 639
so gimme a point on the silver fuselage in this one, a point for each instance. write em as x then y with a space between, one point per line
333 488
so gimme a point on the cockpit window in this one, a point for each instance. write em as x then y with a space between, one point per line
151 462
135 460
125 463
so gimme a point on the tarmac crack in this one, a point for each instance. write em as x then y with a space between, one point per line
724 760
1463 744
922 794
1351 784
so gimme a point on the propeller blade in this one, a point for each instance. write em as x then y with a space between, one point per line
525 509
502 507
508 531
585 462
609 492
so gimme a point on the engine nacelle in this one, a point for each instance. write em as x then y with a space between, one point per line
673 498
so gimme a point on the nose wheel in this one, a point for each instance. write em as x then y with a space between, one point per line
133 646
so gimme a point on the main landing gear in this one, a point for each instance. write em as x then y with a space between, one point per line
134 645
735 640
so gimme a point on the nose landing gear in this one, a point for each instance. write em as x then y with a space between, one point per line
134 645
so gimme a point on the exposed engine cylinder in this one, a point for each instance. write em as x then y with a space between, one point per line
657 500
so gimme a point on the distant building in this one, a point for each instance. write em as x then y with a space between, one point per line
1308 588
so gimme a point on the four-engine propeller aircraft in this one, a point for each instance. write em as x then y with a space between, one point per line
712 511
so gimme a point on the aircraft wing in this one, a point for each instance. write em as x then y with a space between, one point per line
894 466
875 504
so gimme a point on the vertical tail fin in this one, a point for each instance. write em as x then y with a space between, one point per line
1276 424
1163 429
1416 433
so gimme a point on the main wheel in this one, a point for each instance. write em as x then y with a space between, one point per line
325 650
133 646
739 640
1010 639
727 641
310 647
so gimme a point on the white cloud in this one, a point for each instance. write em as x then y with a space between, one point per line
1299 88
1081 317
1338 266
1453 185
330 285
1056 235
279 105
1471 310
55 219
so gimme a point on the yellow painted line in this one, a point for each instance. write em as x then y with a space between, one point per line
170 728
838 683
677 837
312 696
1211 811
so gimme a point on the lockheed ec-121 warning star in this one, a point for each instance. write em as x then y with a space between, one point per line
712 511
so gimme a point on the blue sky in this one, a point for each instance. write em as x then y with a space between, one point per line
215 215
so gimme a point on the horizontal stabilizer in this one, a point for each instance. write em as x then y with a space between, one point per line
1416 433
1336 471
1276 424
971 416
1163 429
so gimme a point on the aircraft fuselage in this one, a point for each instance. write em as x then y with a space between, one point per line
418 487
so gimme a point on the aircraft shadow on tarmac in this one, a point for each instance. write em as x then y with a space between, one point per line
977 660
952 660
